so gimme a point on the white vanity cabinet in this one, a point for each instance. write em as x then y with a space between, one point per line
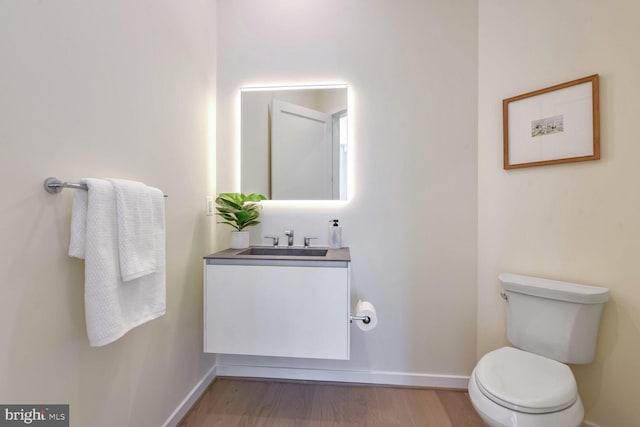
288 308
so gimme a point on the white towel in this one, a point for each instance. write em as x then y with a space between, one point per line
78 224
135 229
113 307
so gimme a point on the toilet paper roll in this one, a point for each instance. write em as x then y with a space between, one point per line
365 308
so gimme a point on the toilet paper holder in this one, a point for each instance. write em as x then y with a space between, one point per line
365 319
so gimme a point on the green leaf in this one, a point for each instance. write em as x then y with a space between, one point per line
253 197
249 224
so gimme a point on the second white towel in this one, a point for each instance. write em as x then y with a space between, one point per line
134 216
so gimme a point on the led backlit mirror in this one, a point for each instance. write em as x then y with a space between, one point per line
294 142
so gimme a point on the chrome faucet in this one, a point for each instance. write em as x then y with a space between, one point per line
289 234
307 241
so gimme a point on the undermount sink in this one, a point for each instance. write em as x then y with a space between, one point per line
284 251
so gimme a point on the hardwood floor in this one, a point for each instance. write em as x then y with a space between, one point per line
241 402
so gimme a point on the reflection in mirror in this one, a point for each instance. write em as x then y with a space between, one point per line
294 142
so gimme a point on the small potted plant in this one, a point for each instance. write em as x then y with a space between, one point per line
239 211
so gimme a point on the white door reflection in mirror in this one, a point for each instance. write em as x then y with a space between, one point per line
294 142
301 153
340 143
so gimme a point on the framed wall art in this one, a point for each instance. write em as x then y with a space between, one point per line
558 124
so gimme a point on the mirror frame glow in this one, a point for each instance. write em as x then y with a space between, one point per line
258 159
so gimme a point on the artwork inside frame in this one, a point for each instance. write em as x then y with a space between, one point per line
558 124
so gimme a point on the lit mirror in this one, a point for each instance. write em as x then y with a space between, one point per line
294 142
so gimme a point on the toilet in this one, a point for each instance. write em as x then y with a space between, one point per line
550 323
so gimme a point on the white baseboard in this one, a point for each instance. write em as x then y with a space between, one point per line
588 424
404 379
358 377
191 398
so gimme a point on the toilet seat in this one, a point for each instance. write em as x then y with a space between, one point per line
525 382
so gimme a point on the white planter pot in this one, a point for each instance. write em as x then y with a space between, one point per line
239 239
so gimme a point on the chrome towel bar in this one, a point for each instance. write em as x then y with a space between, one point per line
53 185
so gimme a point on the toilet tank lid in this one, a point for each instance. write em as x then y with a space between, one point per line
554 289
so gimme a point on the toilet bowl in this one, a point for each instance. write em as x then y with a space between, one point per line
551 323
510 387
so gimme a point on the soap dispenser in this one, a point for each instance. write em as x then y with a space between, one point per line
335 234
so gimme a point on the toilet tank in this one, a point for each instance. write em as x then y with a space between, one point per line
555 319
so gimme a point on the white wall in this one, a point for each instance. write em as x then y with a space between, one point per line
576 222
121 88
411 67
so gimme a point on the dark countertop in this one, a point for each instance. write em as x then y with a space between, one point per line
342 254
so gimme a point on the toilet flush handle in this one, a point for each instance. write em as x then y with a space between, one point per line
504 296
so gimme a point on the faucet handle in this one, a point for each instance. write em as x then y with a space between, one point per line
276 239
307 241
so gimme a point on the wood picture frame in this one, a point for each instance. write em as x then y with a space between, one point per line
557 124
